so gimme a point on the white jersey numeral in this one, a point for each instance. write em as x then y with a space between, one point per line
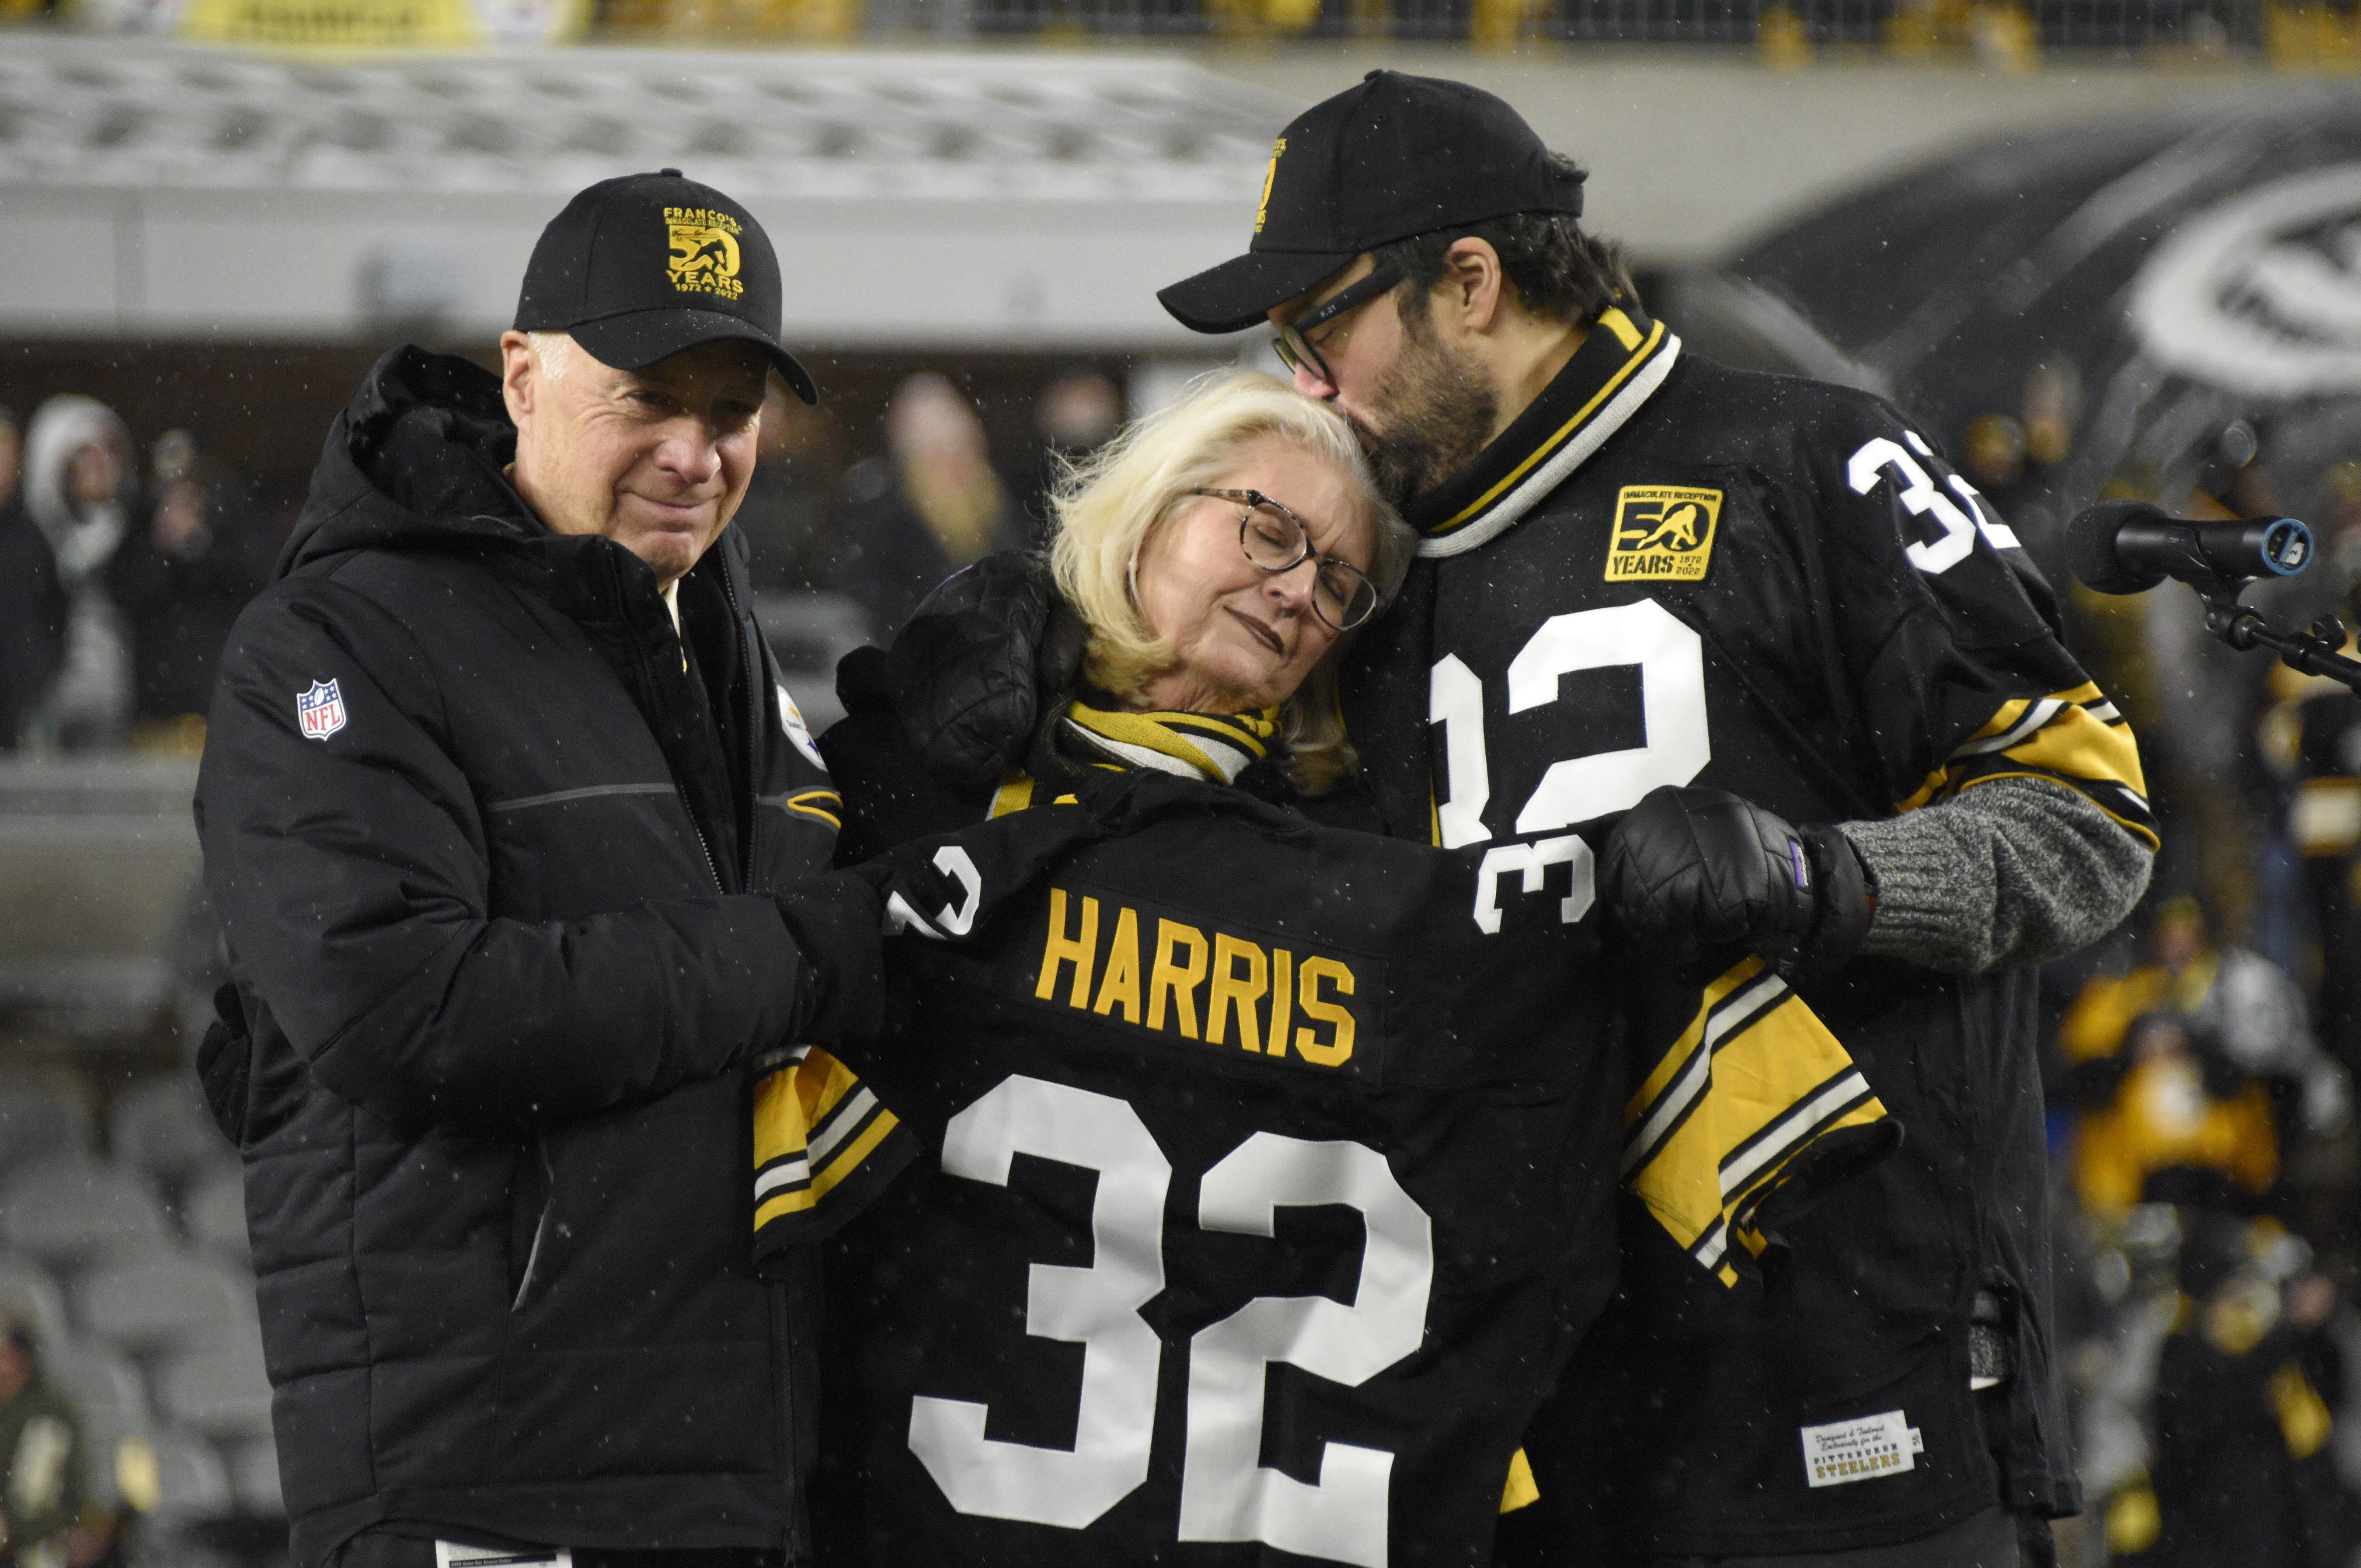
1672 701
1456 700
1676 747
1918 495
1098 1307
1226 1493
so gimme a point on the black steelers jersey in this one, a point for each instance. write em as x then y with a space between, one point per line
1268 1177
1265 1192
1669 573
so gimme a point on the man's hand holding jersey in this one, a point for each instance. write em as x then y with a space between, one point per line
1689 870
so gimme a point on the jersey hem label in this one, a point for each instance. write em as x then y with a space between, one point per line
1861 1450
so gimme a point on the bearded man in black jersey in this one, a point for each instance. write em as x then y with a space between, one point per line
1755 631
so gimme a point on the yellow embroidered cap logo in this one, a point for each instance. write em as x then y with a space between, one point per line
703 259
1662 533
1262 208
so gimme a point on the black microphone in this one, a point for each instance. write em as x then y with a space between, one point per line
2128 547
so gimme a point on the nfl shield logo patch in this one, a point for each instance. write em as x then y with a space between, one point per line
321 711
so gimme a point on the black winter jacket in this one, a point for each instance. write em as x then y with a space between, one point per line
502 944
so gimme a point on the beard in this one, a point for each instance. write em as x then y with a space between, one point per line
1429 422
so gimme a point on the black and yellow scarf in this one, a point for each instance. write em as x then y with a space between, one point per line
1211 746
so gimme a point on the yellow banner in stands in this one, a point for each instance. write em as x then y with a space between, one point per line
383 24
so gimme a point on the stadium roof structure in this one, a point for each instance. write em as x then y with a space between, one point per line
975 198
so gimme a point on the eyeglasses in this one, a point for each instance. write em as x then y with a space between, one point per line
1294 344
1275 539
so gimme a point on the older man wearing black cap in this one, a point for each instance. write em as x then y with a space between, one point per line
513 831
1674 608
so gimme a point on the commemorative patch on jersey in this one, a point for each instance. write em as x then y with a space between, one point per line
1173 974
1663 533
320 710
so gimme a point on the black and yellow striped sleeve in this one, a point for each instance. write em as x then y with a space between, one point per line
1753 1097
2073 738
823 1147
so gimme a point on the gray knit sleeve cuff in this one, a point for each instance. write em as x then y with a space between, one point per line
2017 870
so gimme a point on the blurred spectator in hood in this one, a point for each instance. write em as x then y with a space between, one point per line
180 582
1073 416
76 482
785 516
932 505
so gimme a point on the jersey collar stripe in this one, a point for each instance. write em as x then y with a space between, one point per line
1639 379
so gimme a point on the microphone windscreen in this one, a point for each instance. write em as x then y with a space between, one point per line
2091 547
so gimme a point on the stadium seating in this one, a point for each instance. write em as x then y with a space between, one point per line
221 1393
131 1267
28 1296
105 1390
68 1211
254 1476
162 1302
215 1213
191 1480
162 1127
40 1118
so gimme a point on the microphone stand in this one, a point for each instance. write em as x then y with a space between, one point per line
2317 650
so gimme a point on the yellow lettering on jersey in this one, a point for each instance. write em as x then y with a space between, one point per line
1079 951
1282 998
1272 997
1121 986
1663 533
1173 979
1237 993
1339 1046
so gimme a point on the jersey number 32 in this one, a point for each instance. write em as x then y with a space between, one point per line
1227 1494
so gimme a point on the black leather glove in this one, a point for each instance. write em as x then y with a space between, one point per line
837 921
1692 869
978 663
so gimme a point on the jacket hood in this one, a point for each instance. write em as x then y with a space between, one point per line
415 462
82 537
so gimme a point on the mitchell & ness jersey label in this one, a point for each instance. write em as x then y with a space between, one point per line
1861 1450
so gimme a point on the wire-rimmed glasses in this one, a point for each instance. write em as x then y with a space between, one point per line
1275 539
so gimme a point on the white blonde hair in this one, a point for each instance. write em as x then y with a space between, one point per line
1110 503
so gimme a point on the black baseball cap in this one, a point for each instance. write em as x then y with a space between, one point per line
639 268
1394 157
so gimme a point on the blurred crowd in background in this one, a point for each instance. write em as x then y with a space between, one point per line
2201 1063
125 556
